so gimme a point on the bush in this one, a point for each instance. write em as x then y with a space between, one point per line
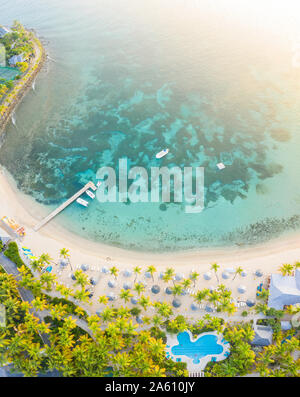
12 253
244 313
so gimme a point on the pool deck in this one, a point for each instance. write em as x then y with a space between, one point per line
196 369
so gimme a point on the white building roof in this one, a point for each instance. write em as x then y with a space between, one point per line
15 59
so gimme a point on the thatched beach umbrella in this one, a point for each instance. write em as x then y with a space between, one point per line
63 263
148 275
105 270
194 307
168 291
84 268
127 273
111 283
155 289
94 280
111 296
225 275
176 303
127 286
207 276
208 309
73 277
161 275
139 320
242 289
250 303
259 273
230 270
179 276
134 301
244 274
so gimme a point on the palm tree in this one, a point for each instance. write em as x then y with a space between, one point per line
137 270
177 290
186 283
287 269
200 295
114 271
194 276
144 302
164 309
126 295
103 299
45 259
64 253
169 275
139 288
151 270
215 267
239 271
81 278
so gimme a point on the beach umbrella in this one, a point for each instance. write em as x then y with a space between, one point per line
230 270
127 273
250 302
176 303
94 281
161 275
139 320
194 307
207 276
134 301
111 296
244 274
91 295
168 291
225 275
85 268
63 263
242 289
155 289
208 309
127 286
258 273
98 312
73 277
111 283
148 275
105 270
179 276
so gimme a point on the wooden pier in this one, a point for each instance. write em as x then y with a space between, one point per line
64 205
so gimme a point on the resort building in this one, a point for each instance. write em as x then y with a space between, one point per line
4 31
15 59
263 335
284 290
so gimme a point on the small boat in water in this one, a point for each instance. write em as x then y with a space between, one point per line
99 183
90 194
82 202
221 166
162 153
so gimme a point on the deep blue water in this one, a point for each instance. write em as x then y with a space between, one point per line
128 78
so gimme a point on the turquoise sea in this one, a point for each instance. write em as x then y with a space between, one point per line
212 81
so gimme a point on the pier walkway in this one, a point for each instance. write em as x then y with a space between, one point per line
64 205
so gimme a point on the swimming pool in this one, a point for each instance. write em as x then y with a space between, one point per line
205 345
209 346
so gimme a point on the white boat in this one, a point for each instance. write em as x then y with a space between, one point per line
162 153
99 183
221 166
82 202
90 194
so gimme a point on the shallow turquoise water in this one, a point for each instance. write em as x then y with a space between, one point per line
128 78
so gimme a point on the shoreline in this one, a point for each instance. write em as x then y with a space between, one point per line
53 237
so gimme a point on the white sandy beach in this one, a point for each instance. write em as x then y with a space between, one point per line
53 237
50 239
